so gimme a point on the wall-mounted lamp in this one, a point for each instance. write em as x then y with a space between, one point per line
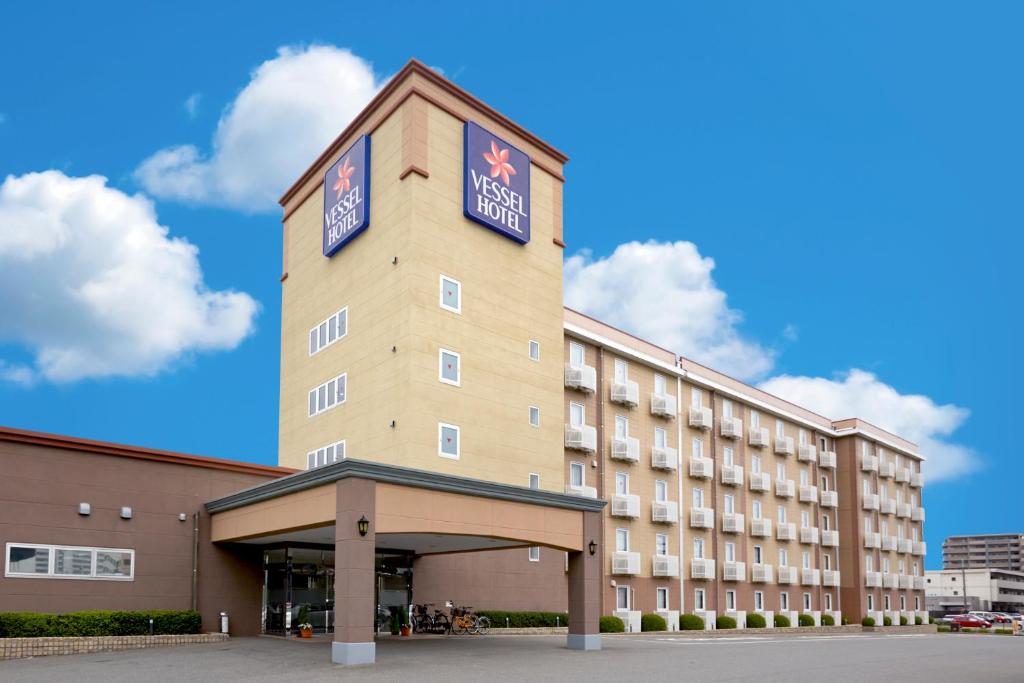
363 525
394 260
126 513
84 509
182 516
392 424
592 547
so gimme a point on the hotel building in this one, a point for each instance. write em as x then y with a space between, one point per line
996 551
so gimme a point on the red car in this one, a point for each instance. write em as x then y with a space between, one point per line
959 621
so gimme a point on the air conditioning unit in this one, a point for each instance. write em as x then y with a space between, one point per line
808 494
761 527
664 458
733 523
732 428
627 449
700 417
665 565
702 467
761 573
785 531
702 569
759 436
625 563
760 481
787 574
702 518
581 438
810 577
732 475
625 505
784 445
734 571
665 512
809 534
626 393
583 378
785 488
807 453
663 405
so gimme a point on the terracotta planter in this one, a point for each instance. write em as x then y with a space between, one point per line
405 631
306 633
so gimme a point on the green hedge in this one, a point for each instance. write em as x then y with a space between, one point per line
781 621
611 625
805 620
756 621
886 621
917 621
524 619
724 622
652 622
867 621
944 629
98 623
828 620
903 621
690 622
1003 631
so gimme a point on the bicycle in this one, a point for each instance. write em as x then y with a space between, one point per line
424 622
464 621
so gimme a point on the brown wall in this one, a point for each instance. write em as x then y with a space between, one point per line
39 496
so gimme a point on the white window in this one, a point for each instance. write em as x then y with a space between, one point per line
826 522
784 601
804 477
903 603
451 294
698 548
534 416
660 384
448 441
576 355
727 456
326 455
783 557
661 544
807 601
782 514
806 559
867 525
31 560
758 554
621 371
534 350
885 565
780 471
329 331
869 563
730 503
622 540
755 419
755 509
661 599
730 600
803 437
621 427
698 447
621 484
576 474
449 367
730 552
696 397
660 491
727 408
780 429
622 597
805 519
698 599
535 553
828 601
824 482
758 601
577 414
328 395
534 480
755 464
660 437
883 527
887 601
866 487
917 603
698 497
871 603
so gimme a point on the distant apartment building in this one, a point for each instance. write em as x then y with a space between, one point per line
953 590
996 551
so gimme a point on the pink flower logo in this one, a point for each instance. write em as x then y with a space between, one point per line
498 159
342 184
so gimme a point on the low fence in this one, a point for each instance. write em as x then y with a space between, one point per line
18 648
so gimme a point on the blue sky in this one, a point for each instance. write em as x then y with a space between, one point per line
838 182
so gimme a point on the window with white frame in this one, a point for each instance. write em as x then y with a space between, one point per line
451 294
621 427
727 409
804 476
867 525
696 397
621 371
448 441
661 599
449 367
534 480
758 554
755 419
828 602
328 331
783 557
883 527
871 603
698 599
534 349
660 385
698 548
730 600
661 490
758 601
780 471
784 601
622 540
826 522
755 509
727 456
807 601
826 560
805 519
698 497
869 563
805 558
903 603
534 416
326 455
782 514
729 503
887 601
577 414
730 552
576 475
885 565
803 437
577 355
698 447
660 437
780 429
621 484
755 464
866 487
534 553
622 597
32 560
661 544
328 395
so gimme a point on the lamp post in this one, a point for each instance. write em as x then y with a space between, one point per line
963 585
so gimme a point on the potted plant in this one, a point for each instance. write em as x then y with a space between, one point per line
406 628
396 623
305 628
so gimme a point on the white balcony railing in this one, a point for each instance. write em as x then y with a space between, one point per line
786 574
584 491
581 438
829 577
760 481
917 514
663 405
784 445
887 506
761 527
627 393
920 548
762 573
873 579
808 494
810 577
731 427
829 499
702 518
665 512
919 582
665 565
916 480
732 475
626 449
625 505
807 453
700 417
903 475
889 581
733 523
830 538
583 378
759 437
664 458
809 534
873 540
906 581
887 470
827 459
785 488
625 563
702 569
889 543
734 571
703 468
868 463
903 510
904 545
870 501
785 531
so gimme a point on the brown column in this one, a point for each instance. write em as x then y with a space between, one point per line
585 588
354 573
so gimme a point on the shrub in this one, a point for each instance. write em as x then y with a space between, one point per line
690 622
903 621
781 621
1003 631
756 621
918 621
967 630
867 621
503 619
931 620
944 629
303 614
652 622
805 620
828 620
724 622
845 620
886 621
98 623
611 625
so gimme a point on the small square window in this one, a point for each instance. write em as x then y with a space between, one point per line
448 441
450 367
534 350
451 294
534 481
534 416
535 553
662 599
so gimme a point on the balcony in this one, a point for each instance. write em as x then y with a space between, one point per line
625 563
663 405
887 506
734 571
829 499
700 418
761 527
906 582
808 494
732 475
785 488
830 538
784 445
889 581
664 458
760 481
665 565
584 491
873 540
809 534
916 480
581 438
702 518
873 579
889 543
787 575
626 393
903 475
830 577
731 427
762 573
785 531
807 453
917 514
665 512
733 523
583 378
702 468
870 501
920 548
702 569
827 459
759 436
887 470
903 510
868 463
625 505
919 583
626 449
810 577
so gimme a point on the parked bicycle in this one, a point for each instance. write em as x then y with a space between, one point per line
464 621
425 622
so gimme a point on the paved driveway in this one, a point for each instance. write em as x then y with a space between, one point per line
829 659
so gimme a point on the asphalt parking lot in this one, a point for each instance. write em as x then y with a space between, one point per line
835 659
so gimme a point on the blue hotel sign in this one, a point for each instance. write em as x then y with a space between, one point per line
496 192
347 196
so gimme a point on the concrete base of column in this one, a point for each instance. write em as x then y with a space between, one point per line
583 641
351 654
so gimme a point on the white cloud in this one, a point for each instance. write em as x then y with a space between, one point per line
93 286
664 292
293 107
192 105
859 393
